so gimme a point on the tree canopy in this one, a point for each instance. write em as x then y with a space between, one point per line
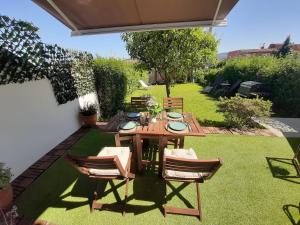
172 52
285 49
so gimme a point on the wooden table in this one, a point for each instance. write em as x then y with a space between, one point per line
156 131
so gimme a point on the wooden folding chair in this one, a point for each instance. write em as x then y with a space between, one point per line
296 159
111 163
139 103
182 165
173 104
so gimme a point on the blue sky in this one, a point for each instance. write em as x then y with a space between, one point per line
250 24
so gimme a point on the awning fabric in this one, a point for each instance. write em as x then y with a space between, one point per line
104 16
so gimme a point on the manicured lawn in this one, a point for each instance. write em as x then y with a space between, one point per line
202 106
243 191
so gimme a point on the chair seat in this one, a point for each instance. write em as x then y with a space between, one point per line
184 154
121 152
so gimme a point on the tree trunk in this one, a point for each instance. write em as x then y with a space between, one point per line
168 85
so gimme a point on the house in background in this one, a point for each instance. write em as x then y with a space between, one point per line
260 51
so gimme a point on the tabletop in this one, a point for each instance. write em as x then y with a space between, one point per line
157 129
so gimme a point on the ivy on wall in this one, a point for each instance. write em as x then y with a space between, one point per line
24 57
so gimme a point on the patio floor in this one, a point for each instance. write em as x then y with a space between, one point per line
252 187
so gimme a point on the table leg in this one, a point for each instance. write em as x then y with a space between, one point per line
181 142
139 152
162 144
117 140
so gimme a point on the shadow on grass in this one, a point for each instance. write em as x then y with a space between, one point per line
283 168
292 210
211 123
61 186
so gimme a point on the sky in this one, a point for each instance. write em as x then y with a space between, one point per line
251 23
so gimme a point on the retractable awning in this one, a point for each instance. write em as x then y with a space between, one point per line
85 17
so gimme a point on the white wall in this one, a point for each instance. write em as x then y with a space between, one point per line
32 123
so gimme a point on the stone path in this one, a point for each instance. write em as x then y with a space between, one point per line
281 127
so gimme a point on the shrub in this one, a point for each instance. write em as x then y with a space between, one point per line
238 111
88 110
5 176
281 76
114 80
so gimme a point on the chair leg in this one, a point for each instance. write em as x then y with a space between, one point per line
199 201
95 198
126 196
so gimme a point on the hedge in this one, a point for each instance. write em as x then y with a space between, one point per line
115 79
24 57
281 75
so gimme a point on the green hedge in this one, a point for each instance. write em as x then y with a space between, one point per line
281 75
24 57
114 80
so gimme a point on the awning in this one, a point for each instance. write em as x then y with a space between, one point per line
107 16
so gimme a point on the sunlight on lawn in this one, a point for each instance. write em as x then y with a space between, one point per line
201 105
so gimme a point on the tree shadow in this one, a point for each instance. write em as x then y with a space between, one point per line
292 210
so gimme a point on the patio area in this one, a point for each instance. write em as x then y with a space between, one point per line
168 133
257 181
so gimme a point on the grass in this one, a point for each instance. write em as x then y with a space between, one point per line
251 188
202 106
256 185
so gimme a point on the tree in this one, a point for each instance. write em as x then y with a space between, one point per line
172 52
285 49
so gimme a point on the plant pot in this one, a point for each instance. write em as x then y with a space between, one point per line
6 197
89 121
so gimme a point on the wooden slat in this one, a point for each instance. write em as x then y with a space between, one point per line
182 211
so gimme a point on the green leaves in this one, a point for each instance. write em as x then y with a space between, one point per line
23 57
239 112
172 51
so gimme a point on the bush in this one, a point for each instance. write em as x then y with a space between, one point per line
88 110
5 176
238 111
114 80
281 76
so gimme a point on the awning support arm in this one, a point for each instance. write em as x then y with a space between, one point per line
216 15
63 15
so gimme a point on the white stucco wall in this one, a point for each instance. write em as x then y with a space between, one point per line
32 123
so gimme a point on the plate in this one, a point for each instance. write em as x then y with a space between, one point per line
177 126
174 115
127 125
133 115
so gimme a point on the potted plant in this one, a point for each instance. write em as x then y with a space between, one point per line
6 191
88 114
154 109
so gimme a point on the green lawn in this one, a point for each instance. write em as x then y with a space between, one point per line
251 188
243 191
203 107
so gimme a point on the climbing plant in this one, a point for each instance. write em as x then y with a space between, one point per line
24 57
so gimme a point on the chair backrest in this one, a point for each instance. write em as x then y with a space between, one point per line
84 164
139 103
173 103
207 167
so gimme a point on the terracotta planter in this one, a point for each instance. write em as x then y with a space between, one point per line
89 121
6 197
